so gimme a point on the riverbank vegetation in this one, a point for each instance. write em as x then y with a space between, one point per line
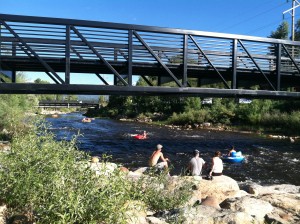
260 115
47 181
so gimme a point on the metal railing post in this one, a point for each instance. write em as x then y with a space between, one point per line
14 73
234 64
185 53
278 66
67 55
130 49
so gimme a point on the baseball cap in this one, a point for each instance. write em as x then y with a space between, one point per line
159 146
196 151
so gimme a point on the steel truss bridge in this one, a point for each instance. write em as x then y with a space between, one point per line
68 104
167 61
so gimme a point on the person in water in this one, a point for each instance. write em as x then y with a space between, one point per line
144 135
217 165
153 161
196 164
231 151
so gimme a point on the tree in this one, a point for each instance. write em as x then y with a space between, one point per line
282 31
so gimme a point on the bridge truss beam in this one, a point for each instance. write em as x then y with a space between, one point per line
169 61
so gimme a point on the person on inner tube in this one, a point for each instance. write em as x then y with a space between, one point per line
231 152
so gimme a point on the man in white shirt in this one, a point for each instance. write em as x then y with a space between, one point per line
196 164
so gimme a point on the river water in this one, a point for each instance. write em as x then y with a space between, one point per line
268 161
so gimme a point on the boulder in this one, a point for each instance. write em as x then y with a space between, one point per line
209 215
94 159
4 146
135 212
124 169
274 189
279 217
250 205
154 220
103 168
3 213
140 170
239 194
177 181
211 201
221 187
288 202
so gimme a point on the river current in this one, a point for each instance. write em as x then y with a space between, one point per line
268 161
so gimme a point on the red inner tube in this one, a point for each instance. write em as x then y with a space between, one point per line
139 136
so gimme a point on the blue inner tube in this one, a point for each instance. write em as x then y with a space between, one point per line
234 159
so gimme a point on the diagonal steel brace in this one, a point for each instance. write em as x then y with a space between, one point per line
49 69
261 71
102 79
98 55
211 64
157 58
290 56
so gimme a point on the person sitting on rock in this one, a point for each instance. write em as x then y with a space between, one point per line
217 165
195 165
153 161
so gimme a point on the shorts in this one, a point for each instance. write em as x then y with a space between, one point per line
217 174
161 165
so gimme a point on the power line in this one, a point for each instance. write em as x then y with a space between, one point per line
259 14
265 26
248 10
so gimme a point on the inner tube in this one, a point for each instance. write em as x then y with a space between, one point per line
234 159
138 137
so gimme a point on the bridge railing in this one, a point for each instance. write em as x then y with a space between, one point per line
160 56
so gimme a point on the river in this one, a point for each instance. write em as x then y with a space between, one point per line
268 161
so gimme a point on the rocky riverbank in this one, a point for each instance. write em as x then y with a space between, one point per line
221 200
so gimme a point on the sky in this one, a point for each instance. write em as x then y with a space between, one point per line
243 17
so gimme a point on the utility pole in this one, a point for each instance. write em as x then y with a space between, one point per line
294 6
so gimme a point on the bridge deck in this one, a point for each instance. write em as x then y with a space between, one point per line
170 61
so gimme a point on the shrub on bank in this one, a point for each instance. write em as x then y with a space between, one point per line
190 117
51 182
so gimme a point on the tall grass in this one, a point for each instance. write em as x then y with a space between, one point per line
51 182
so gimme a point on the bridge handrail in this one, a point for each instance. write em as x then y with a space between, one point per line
121 26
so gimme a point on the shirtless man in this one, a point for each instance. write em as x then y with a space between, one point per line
155 157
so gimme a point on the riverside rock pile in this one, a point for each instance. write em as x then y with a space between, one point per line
221 201
217 201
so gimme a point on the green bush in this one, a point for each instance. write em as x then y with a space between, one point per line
51 182
155 192
189 117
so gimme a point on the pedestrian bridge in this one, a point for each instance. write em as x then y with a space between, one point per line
68 104
166 61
